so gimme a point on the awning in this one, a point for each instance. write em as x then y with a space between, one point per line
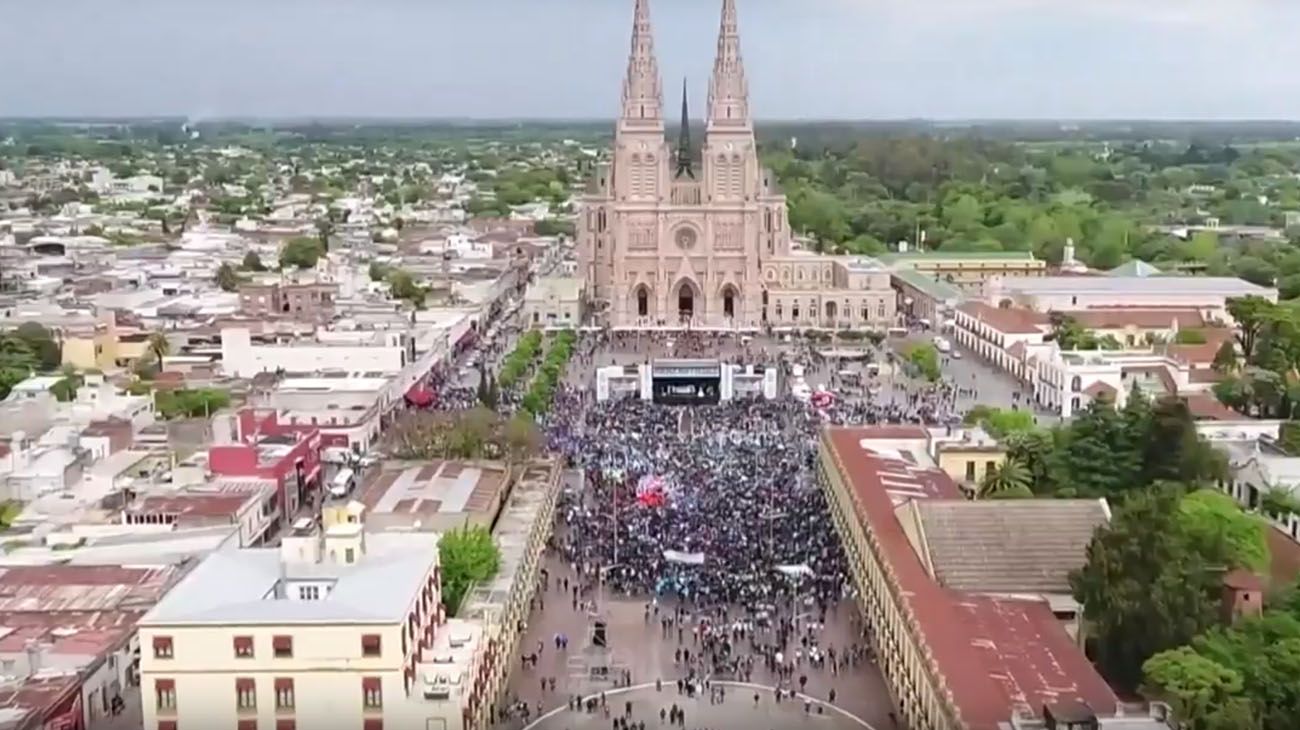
420 396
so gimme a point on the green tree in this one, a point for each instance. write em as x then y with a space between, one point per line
403 286
1225 359
1096 456
925 358
378 271
43 345
1034 450
1211 517
468 556
1009 478
1145 587
302 252
252 262
227 278
1203 694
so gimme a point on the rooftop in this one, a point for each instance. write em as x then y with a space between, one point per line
929 285
1011 320
421 493
991 653
238 586
60 588
1205 285
1025 256
1008 546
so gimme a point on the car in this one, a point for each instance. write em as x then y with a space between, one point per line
956 354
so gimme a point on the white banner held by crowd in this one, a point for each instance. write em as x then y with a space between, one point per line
677 556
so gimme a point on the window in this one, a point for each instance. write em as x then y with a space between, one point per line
372 723
284 694
165 693
970 471
372 693
247 724
162 647
282 647
166 725
285 723
989 467
309 593
245 693
371 645
350 555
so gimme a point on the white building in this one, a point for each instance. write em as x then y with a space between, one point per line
338 629
554 302
1209 294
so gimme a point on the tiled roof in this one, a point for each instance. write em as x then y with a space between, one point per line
1008 321
1100 388
1140 318
990 653
1009 546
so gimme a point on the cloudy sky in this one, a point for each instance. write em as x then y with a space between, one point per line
845 59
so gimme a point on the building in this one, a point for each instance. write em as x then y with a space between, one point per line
968 270
923 297
67 641
313 301
968 456
962 645
347 408
700 237
1206 294
554 302
265 452
437 495
331 629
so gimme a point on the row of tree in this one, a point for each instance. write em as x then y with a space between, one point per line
537 400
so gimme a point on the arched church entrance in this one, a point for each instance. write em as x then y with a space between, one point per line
689 304
642 301
830 312
729 301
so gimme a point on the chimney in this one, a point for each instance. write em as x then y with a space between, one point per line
345 543
302 546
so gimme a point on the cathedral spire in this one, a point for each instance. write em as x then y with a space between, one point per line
684 154
642 92
728 89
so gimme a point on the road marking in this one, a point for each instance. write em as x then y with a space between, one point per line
741 685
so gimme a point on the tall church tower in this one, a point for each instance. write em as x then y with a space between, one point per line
640 150
730 157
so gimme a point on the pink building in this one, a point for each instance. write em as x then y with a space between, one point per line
286 455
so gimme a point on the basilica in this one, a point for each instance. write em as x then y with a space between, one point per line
671 235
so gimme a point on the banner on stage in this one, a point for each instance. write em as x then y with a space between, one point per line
677 556
794 570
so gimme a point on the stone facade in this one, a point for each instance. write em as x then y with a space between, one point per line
701 238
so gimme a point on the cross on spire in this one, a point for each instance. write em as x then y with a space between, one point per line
642 90
728 89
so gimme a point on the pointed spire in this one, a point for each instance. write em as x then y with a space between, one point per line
728 90
684 167
642 92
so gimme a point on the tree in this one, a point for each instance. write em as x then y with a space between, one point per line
925 358
160 347
1208 516
468 556
1096 456
1203 694
1225 359
252 262
1010 477
1146 587
377 271
46 349
227 278
1033 449
403 286
302 252
1251 313
523 438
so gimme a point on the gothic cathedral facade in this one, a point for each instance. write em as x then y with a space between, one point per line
677 237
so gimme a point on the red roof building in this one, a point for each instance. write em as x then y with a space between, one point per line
953 659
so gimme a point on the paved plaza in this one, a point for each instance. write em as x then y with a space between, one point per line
742 705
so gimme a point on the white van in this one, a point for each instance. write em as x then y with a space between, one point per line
342 483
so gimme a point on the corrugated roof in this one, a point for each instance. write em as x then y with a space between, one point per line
1009 546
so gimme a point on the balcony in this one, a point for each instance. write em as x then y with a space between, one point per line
686 193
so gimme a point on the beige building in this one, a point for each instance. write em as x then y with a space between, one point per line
969 270
554 302
336 628
678 236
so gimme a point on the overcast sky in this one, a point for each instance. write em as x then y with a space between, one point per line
844 59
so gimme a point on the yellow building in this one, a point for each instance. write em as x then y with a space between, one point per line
968 270
103 346
970 457
335 628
